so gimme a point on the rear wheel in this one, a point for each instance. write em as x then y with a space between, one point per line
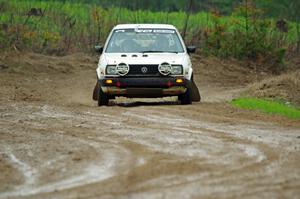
102 98
186 98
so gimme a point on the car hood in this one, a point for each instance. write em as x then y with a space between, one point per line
151 58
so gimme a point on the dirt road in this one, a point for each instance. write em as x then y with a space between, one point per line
56 143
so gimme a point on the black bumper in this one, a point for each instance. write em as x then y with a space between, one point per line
154 82
144 87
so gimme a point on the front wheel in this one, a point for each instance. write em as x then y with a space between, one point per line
102 98
186 98
95 91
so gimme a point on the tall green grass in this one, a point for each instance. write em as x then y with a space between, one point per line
266 106
82 13
93 24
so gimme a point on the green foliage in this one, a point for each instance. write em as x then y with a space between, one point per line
161 5
247 35
266 106
288 9
66 26
284 9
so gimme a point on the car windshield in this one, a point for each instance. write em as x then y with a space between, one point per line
144 41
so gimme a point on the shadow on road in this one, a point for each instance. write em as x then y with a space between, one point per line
138 103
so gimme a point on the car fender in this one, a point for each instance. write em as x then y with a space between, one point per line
101 67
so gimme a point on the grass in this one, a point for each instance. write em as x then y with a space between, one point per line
267 106
92 24
83 12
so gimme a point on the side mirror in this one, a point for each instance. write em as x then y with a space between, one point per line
99 49
191 49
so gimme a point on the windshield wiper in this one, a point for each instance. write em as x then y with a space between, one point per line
158 51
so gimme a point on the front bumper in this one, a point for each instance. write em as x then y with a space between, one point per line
144 87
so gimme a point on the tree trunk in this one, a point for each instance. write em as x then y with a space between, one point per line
298 36
188 12
247 23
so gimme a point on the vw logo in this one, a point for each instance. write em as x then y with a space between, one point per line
144 70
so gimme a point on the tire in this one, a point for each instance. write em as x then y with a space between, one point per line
195 94
102 98
186 98
95 91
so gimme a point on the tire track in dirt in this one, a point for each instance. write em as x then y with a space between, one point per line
66 147
231 151
92 172
241 155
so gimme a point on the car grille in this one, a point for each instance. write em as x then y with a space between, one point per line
143 70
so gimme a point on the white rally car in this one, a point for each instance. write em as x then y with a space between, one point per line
145 60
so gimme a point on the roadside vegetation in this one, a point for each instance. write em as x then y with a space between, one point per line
264 32
238 29
267 106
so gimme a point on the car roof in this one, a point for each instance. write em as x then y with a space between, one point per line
145 26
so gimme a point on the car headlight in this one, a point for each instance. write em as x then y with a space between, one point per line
111 70
177 70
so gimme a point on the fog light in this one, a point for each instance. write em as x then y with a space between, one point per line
179 81
108 81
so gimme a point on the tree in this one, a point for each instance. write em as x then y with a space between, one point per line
287 9
188 12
